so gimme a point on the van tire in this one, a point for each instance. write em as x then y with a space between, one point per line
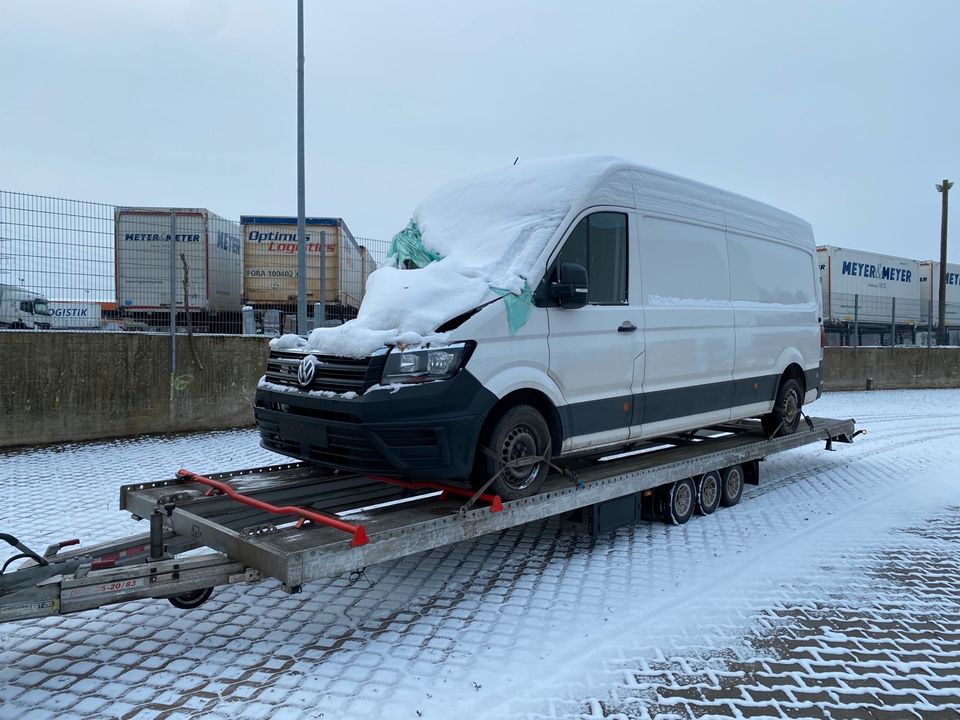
784 419
521 431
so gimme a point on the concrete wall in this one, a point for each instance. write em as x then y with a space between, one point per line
62 386
847 368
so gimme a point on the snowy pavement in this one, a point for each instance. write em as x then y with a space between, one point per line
831 591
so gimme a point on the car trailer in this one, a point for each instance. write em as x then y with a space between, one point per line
298 522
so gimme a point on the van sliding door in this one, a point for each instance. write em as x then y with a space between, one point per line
688 374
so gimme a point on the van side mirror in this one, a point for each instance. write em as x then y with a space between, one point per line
571 288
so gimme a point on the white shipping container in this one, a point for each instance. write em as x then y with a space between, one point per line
75 315
930 291
870 281
270 261
209 243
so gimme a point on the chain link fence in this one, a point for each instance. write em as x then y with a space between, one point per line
78 265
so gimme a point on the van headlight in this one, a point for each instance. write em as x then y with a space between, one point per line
416 366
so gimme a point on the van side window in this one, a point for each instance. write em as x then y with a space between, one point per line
599 243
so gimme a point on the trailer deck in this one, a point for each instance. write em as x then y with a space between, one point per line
299 522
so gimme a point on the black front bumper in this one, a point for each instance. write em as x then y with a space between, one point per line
427 431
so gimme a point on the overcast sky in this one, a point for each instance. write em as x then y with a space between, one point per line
844 113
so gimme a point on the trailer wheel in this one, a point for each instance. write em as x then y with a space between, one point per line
677 501
785 416
521 432
709 491
732 486
191 600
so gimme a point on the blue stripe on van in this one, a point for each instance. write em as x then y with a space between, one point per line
611 413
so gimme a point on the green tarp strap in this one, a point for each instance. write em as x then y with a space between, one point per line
407 245
518 306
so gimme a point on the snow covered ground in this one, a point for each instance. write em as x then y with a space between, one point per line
831 591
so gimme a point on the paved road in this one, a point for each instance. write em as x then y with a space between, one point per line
830 592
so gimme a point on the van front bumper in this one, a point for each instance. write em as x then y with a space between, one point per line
428 430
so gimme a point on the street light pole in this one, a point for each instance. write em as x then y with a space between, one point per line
944 190
301 202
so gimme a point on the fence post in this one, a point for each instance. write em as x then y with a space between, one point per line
893 322
173 300
929 322
323 279
301 201
856 320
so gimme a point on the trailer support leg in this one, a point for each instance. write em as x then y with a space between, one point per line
156 535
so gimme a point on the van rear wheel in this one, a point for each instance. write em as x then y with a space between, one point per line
517 438
785 416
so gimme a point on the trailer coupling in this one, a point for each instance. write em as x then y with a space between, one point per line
28 554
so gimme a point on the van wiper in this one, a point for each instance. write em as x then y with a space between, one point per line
455 322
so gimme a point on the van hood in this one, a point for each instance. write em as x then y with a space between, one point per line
401 307
475 239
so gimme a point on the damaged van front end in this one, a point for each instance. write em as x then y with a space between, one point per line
397 412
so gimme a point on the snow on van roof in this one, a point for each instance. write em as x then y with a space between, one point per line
495 224
491 228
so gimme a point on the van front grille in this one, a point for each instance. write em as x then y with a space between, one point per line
332 373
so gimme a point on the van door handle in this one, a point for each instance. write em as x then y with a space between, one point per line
627 327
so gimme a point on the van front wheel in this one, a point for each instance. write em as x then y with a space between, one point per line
518 437
785 416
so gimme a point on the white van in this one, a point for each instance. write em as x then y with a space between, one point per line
552 308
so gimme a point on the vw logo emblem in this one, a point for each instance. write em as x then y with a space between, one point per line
306 370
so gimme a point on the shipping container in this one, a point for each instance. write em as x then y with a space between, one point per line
270 263
209 243
864 285
930 292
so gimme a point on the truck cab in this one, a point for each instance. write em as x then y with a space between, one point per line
23 309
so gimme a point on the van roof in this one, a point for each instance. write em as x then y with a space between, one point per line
500 220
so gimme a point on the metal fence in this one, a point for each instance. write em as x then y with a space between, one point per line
867 320
77 265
